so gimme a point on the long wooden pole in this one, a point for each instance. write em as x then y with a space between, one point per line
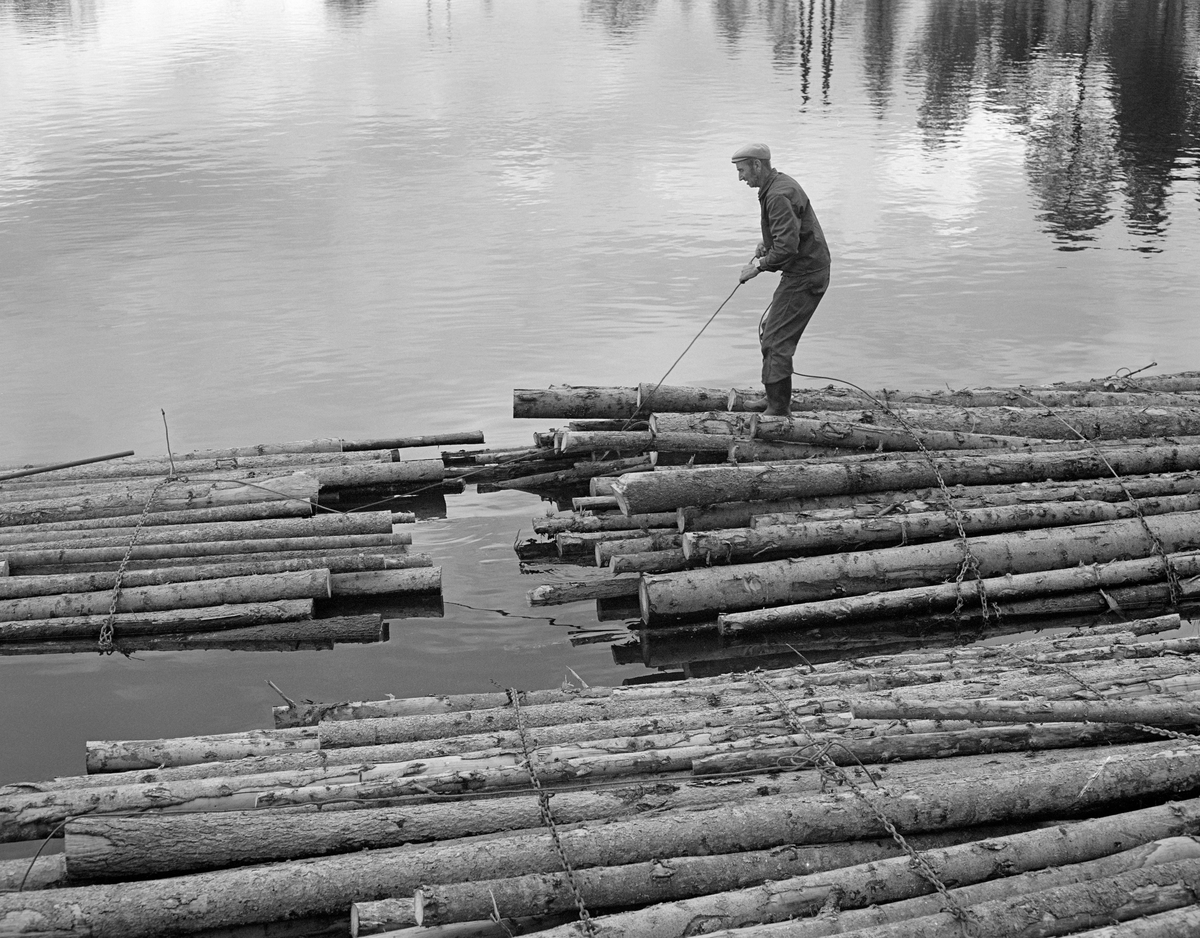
38 470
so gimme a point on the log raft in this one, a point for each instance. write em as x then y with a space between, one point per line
963 751
217 548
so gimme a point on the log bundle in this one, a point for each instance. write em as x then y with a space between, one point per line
905 514
1042 787
238 548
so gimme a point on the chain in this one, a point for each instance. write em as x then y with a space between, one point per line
1173 734
106 644
830 769
548 818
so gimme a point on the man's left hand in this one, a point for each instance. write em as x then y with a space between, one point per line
749 272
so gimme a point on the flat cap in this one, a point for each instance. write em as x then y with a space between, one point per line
753 151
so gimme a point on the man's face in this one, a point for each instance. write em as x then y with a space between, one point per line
749 172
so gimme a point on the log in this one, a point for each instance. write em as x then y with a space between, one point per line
584 542
36 559
47 871
610 521
379 473
921 600
660 539
652 561
174 497
581 473
58 467
1176 923
741 451
805 579
308 584
575 403
124 755
829 431
103 848
196 619
808 537
662 491
322 886
299 635
373 918
367 522
341 560
603 441
744 513
792 890
654 398
551 594
1188 381
379 582
1152 712
250 511
406 442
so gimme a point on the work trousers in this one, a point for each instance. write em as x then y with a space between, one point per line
792 306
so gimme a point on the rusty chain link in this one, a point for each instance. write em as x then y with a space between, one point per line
106 645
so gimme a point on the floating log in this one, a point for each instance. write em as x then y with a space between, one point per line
612 441
594 503
405 442
35 558
584 543
917 601
740 451
806 579
610 521
581 473
250 511
658 398
267 893
308 584
366 522
831 432
131 754
1139 382
340 559
676 488
298 635
1150 712
377 582
174 497
659 540
608 587
575 402
737 544
38 470
201 618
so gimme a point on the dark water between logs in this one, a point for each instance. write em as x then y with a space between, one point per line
362 219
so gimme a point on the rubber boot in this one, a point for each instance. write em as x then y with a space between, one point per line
779 398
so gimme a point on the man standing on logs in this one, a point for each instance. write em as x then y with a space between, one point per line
793 244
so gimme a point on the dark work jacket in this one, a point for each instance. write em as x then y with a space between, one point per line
790 231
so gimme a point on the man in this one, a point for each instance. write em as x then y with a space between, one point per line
793 244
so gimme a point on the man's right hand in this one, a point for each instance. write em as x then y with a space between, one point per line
761 250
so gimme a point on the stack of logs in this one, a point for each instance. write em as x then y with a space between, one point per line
236 548
914 510
1032 789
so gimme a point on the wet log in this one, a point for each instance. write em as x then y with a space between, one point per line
406 442
267 893
763 541
174 497
662 491
341 560
659 540
610 521
309 584
655 398
196 619
125 755
1176 923
575 402
379 582
298 635
367 522
831 432
581 473
922 600
606 587
1151 712
379 473
603 441
1187 381
34 558
594 503
382 915
805 579
741 451
665 560
583 543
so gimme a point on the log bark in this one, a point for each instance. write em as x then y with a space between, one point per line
890 436
917 601
381 582
583 543
805 579
250 511
174 497
676 488
765 541
125 755
198 619
575 403
603 441
1186 381
47 871
373 918
367 522
1176 923
866 504
224 898
341 560
37 559
310 584
660 540
606 587
655 398
741 451
406 442
610 521
581 473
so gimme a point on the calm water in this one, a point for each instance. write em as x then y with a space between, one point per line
286 220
